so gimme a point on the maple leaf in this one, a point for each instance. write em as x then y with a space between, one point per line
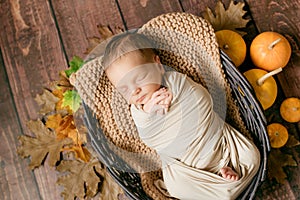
75 64
230 19
71 100
47 101
43 144
81 181
278 160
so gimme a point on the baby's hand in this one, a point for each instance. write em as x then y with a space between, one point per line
159 102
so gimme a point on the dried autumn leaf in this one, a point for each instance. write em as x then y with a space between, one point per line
144 3
43 144
105 33
53 121
278 160
80 152
110 189
292 141
59 108
64 83
47 101
230 19
81 181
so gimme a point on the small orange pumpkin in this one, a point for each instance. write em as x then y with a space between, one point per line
290 109
233 45
278 135
270 50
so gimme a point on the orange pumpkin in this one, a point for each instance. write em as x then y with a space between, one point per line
265 89
290 109
233 45
270 50
278 135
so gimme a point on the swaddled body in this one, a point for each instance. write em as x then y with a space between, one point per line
194 144
202 156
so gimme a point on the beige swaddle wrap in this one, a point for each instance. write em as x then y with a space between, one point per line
194 143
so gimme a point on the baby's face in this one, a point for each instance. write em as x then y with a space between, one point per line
135 78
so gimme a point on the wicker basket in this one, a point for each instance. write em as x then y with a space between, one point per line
174 34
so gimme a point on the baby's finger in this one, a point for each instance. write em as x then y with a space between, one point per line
159 92
160 99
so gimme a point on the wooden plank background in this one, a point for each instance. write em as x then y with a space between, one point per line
38 38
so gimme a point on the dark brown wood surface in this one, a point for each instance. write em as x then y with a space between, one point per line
38 38
136 13
17 182
78 21
32 55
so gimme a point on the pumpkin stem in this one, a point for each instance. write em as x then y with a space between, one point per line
226 46
271 46
262 79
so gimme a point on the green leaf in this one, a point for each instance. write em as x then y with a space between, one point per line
72 100
75 64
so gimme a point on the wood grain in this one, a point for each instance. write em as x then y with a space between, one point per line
32 56
138 12
17 182
282 17
78 21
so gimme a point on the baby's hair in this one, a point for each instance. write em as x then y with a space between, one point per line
124 43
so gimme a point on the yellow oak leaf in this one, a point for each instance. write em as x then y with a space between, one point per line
43 144
53 121
66 127
230 19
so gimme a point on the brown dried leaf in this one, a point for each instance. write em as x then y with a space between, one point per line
230 19
64 82
144 3
47 101
81 181
278 160
110 189
80 152
43 144
292 142
105 33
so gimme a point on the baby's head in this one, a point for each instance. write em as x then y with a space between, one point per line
133 67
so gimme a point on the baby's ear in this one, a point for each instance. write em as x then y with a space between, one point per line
157 59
